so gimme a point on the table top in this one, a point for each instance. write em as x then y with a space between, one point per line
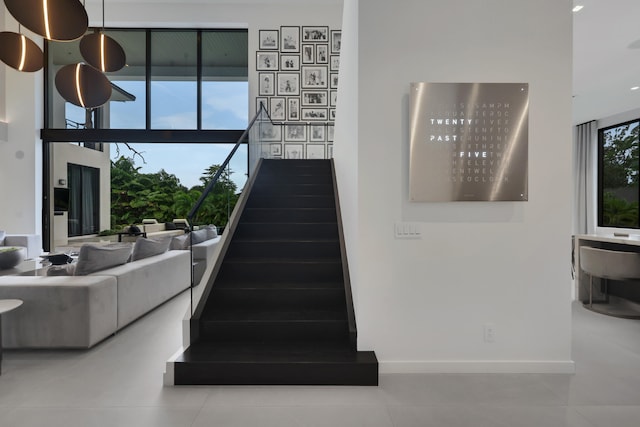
9 304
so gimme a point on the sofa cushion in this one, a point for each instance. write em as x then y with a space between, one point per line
2 234
179 242
94 258
199 236
145 248
170 226
212 231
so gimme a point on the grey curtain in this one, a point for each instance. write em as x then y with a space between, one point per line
585 138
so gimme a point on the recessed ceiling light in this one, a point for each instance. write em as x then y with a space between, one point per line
577 8
635 88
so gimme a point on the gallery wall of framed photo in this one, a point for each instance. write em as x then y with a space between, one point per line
297 82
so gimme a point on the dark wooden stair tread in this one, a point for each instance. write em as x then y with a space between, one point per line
267 315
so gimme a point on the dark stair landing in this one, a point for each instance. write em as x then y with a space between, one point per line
278 311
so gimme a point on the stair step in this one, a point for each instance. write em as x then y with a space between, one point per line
291 249
280 270
292 201
311 285
265 230
267 315
289 215
287 188
275 363
277 299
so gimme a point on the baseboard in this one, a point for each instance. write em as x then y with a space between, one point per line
478 367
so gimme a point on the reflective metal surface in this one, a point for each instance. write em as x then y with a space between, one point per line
469 142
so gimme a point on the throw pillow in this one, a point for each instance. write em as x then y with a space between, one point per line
94 258
179 242
212 231
2 234
170 226
198 236
133 229
145 248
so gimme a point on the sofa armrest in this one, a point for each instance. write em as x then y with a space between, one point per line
32 242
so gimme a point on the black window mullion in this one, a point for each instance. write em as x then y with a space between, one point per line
148 81
199 81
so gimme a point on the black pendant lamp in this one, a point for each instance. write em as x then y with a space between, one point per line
60 20
102 51
83 85
20 52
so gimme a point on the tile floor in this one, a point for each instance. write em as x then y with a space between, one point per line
119 383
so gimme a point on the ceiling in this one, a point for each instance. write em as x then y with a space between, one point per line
606 58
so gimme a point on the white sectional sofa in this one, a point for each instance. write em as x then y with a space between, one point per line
32 243
80 311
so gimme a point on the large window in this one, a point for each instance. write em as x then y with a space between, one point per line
618 175
84 200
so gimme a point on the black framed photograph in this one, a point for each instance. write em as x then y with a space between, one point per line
315 151
330 132
335 62
293 151
314 77
266 84
267 61
314 113
277 109
332 114
293 109
289 62
295 132
288 84
316 98
275 150
336 41
308 54
268 39
289 39
317 133
315 34
269 132
334 80
333 98
322 54
264 101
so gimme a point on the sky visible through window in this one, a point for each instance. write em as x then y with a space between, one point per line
225 105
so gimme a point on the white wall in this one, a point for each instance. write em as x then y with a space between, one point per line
422 304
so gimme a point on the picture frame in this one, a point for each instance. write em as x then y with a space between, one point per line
266 84
329 151
336 41
267 61
314 77
335 62
333 98
308 54
330 132
322 54
311 114
315 34
275 150
288 84
263 100
293 151
315 98
293 109
269 132
289 39
268 39
295 132
315 151
332 114
277 108
317 133
334 81
289 62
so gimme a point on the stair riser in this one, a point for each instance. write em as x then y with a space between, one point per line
292 178
277 299
211 330
283 216
281 202
287 231
220 373
263 189
287 250
274 272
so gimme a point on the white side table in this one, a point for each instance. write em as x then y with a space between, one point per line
5 306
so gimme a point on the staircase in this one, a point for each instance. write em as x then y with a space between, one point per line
280 309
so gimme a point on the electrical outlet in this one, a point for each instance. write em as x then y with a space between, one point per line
489 332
